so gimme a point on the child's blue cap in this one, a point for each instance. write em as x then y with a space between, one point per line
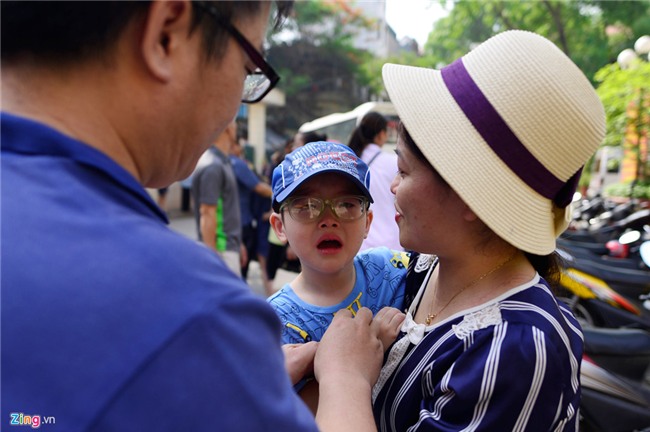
316 158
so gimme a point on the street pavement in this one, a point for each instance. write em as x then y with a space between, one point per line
184 224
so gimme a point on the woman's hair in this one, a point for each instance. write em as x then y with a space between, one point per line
413 148
548 266
371 125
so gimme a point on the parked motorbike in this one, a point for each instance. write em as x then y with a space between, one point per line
614 378
621 252
629 282
593 300
619 263
604 278
598 210
604 228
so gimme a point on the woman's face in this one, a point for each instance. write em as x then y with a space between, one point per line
427 210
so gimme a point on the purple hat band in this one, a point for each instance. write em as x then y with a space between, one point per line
502 140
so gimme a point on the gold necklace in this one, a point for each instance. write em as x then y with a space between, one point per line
431 316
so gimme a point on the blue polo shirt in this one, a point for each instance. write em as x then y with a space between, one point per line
112 321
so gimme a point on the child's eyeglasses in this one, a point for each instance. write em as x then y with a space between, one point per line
308 209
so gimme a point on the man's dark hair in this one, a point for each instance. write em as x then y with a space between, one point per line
65 31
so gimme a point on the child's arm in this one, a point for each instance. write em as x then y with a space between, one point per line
387 323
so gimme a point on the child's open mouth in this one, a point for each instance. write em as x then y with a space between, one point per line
329 244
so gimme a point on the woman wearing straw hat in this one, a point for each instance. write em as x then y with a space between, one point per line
489 154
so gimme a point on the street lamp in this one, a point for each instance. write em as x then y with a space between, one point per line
629 55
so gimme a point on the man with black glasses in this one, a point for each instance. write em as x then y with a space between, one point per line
111 321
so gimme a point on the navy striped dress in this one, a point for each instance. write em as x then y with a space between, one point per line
512 364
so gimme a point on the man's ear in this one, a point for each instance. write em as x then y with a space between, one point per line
278 226
166 31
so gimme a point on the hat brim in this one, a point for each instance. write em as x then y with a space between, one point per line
289 190
457 151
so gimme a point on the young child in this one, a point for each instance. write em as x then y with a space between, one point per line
321 202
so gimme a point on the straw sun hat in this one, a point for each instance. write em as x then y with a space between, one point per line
508 126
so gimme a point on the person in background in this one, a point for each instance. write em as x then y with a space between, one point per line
110 320
216 196
279 254
261 210
367 141
321 206
302 138
489 154
162 198
248 185
186 194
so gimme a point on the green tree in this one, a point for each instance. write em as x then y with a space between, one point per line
591 33
625 93
580 28
320 69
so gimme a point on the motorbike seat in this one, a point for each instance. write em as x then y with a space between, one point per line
612 273
623 342
636 220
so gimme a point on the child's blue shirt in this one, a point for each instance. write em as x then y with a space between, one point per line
380 274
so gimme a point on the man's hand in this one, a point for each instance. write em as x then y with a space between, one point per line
299 360
387 323
350 346
347 365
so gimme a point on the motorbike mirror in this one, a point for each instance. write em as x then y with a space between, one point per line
644 251
629 237
617 249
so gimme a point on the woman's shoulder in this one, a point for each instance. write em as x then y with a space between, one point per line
537 306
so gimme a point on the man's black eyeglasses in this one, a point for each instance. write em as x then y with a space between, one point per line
258 82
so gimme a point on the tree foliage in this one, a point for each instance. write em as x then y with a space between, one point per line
320 68
322 72
582 29
621 90
625 93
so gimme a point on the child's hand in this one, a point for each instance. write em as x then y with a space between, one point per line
299 360
386 324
